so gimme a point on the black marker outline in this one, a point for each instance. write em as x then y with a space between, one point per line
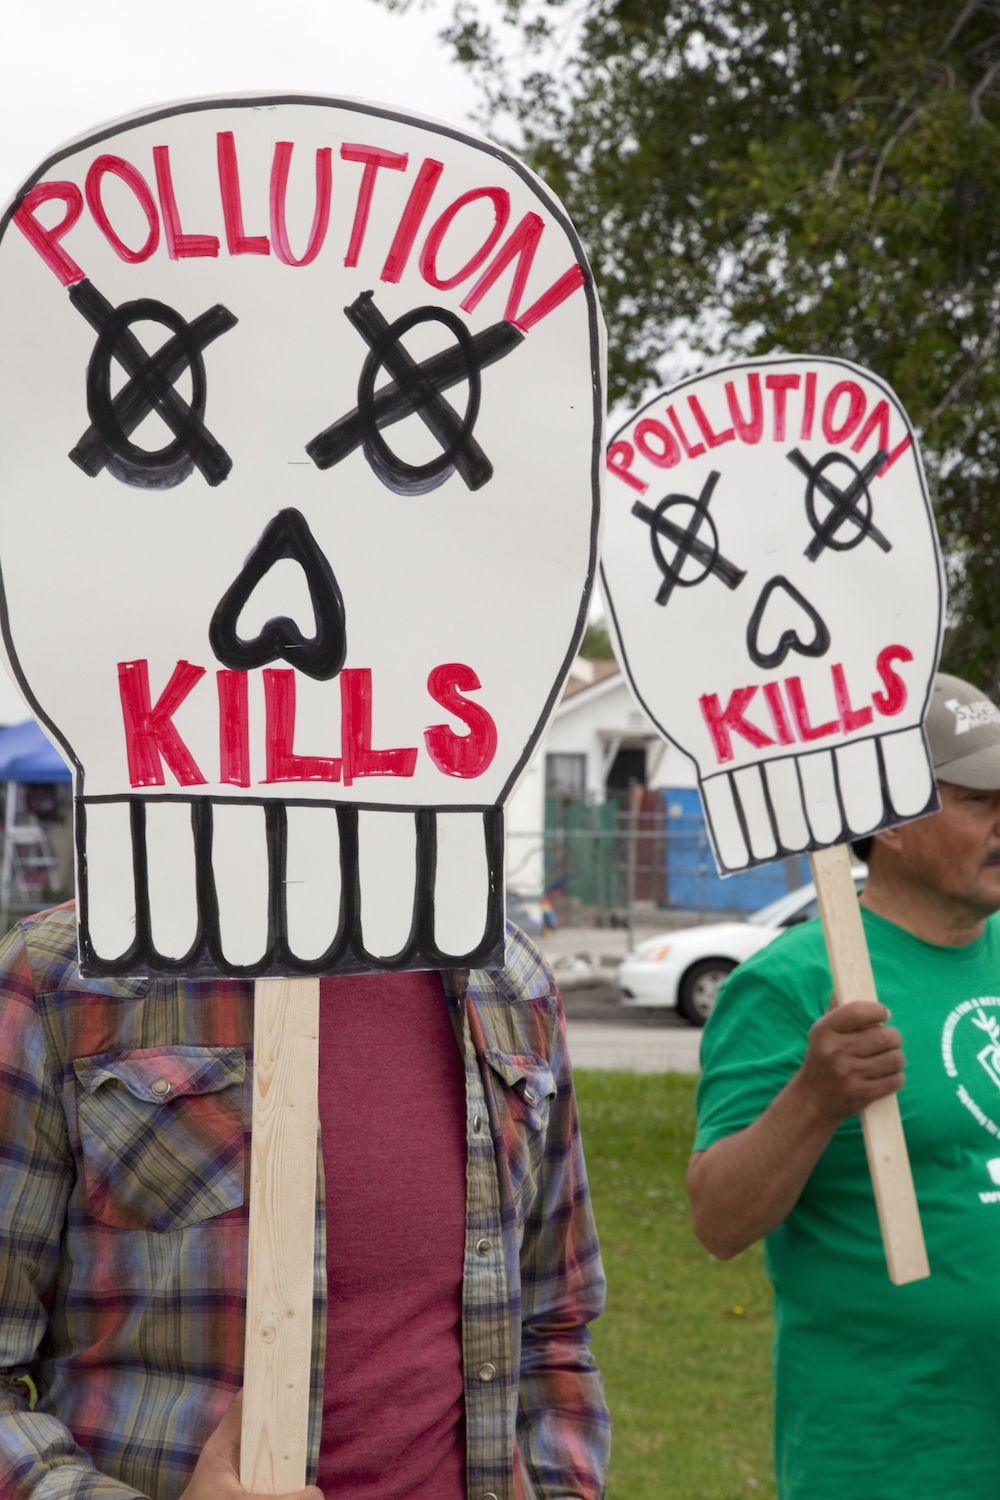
346 953
150 388
536 189
818 646
460 449
891 818
286 536
843 502
415 388
800 362
686 539
390 403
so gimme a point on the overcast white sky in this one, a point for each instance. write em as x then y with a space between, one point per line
69 64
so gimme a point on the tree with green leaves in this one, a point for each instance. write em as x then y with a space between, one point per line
596 643
819 176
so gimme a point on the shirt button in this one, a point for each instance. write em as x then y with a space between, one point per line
161 1087
484 1247
489 1496
477 1124
487 1372
530 1097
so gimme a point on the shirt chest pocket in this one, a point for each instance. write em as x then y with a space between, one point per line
161 1134
524 1100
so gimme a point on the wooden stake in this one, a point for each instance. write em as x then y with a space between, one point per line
885 1144
282 1231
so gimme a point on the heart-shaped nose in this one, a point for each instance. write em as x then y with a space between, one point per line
814 640
320 656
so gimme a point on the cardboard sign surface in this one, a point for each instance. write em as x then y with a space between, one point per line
301 405
772 576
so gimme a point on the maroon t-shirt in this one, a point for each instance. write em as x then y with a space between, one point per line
392 1113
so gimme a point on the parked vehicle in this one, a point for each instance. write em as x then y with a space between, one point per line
684 969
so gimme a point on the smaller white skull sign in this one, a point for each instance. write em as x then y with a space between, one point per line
299 398
771 571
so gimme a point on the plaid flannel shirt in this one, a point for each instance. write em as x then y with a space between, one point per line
123 1229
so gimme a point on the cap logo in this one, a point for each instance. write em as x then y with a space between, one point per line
972 715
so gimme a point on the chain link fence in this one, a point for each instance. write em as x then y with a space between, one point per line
601 864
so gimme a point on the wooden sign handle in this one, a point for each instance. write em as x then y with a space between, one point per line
885 1144
277 1361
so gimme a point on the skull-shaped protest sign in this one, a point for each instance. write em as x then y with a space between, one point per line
772 575
299 497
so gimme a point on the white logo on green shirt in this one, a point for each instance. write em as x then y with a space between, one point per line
961 1051
989 1057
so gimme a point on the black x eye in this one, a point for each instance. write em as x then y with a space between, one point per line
687 542
416 388
844 503
150 387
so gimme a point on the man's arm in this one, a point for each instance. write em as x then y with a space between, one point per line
563 1428
38 1452
37 1173
745 1185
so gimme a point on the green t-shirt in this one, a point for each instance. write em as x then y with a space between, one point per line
881 1391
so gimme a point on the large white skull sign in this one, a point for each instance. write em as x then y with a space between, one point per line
771 571
301 405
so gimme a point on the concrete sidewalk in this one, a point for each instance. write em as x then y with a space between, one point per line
604 1033
633 1049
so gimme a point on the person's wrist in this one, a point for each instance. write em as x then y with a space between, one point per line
812 1106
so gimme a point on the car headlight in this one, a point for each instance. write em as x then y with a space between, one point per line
650 953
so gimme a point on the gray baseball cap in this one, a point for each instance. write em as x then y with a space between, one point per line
963 731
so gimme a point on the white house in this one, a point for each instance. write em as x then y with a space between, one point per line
598 739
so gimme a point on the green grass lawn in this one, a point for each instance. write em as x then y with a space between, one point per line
685 1342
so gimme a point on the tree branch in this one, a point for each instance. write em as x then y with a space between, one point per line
876 175
967 12
984 46
967 374
975 113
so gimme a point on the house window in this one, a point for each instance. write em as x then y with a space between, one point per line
565 775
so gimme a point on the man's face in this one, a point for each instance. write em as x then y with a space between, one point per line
954 853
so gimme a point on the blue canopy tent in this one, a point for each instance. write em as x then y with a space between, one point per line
26 755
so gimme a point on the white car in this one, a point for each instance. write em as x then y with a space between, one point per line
684 969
